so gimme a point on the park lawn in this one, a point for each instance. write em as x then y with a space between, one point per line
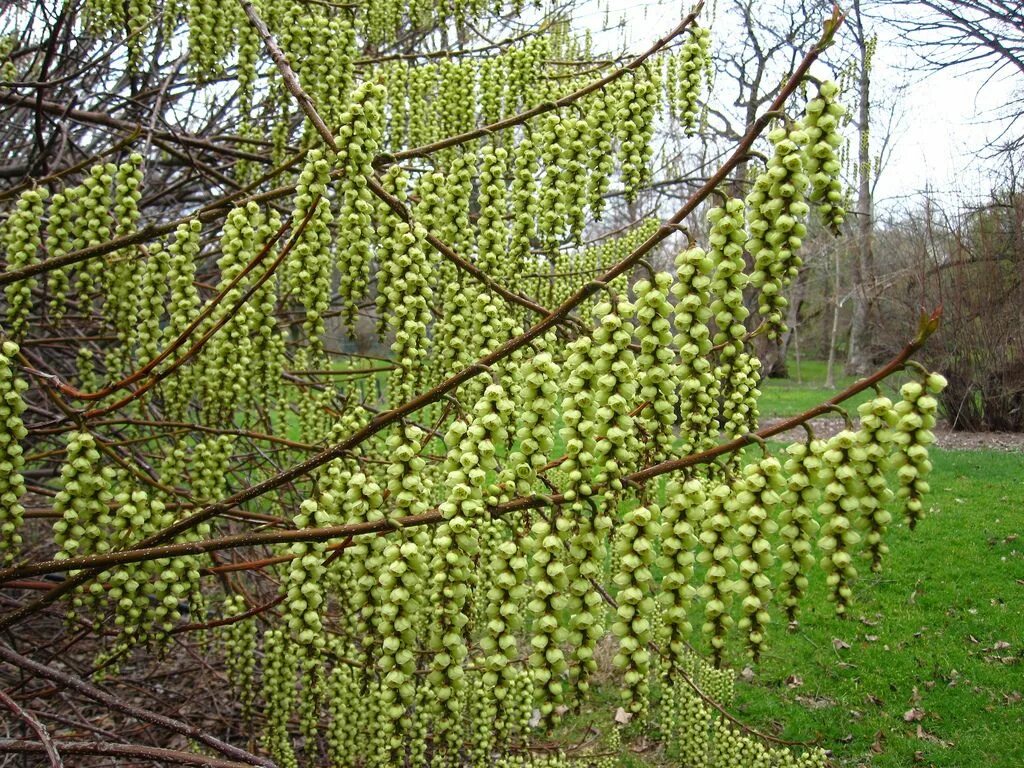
787 397
929 669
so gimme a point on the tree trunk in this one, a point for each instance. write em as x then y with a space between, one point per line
796 301
830 376
859 354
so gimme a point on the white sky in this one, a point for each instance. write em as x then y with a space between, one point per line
944 118
947 121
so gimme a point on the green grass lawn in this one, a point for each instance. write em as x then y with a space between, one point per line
934 671
926 678
786 397
929 667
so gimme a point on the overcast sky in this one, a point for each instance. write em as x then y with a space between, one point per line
944 119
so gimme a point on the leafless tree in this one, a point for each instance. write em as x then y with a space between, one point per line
970 35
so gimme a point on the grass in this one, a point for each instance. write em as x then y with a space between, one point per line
929 668
933 671
786 397
926 679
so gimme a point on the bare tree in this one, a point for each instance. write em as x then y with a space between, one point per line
750 69
972 35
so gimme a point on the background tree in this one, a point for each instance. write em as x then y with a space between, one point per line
978 35
969 260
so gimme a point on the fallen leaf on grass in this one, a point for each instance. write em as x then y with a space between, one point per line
622 716
747 675
794 681
913 715
878 745
815 702
923 735
875 700
839 645
995 659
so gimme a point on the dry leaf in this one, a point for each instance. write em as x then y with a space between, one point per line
794 681
815 702
747 675
923 735
913 715
875 700
1001 645
878 745
839 645
622 716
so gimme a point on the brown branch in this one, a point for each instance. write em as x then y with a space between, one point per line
449 253
540 109
432 517
45 742
17 189
162 756
101 118
202 316
453 53
228 620
441 390
215 211
119 704
194 349
186 426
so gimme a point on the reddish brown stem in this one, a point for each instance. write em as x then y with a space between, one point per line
387 418
432 517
